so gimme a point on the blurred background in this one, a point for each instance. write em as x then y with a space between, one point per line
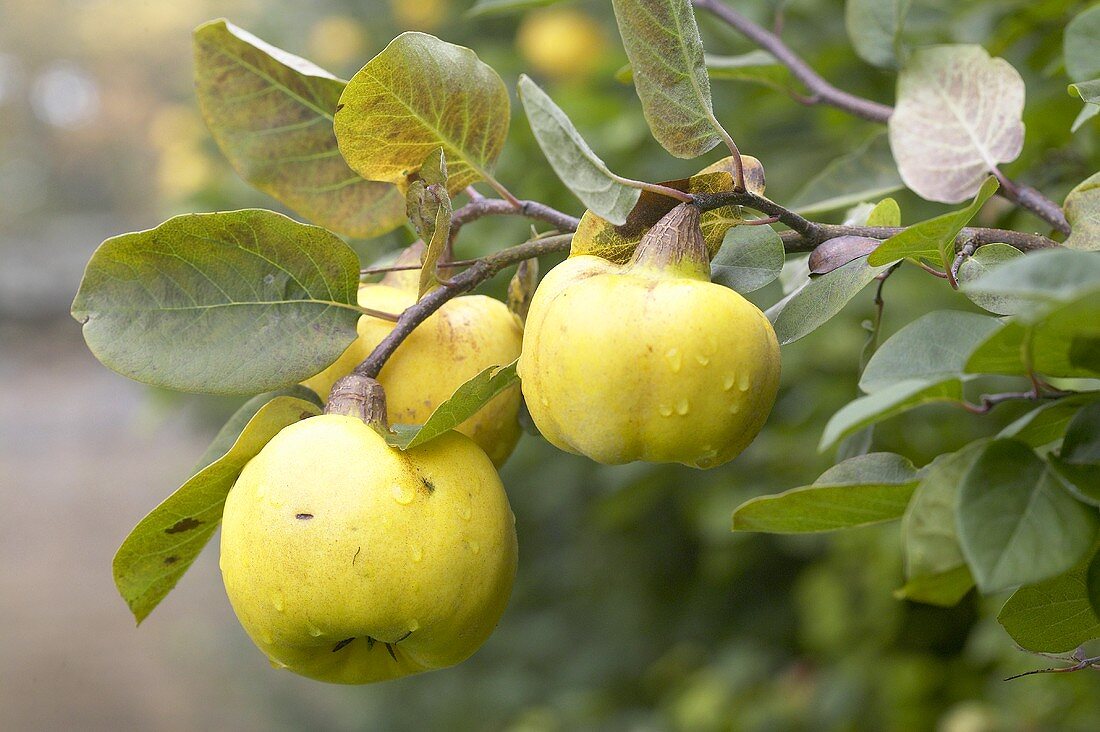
635 607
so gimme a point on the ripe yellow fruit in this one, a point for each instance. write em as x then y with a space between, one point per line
349 561
561 42
460 340
647 361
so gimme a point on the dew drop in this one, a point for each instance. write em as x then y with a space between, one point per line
313 630
269 279
735 408
473 546
727 384
277 601
683 407
743 381
702 358
465 512
266 638
417 553
402 494
665 410
545 402
414 625
674 359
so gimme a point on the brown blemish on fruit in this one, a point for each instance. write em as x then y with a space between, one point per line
303 516
342 644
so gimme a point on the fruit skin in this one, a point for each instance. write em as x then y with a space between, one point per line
639 362
464 337
329 533
561 42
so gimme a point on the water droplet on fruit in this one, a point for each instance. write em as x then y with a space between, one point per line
277 601
727 384
414 625
417 553
276 664
665 410
313 630
266 638
473 546
735 408
545 402
674 359
743 381
702 358
683 407
465 512
402 494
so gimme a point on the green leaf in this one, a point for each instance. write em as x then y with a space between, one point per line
934 564
949 130
863 490
459 407
231 430
1088 111
486 8
978 265
874 27
429 210
1041 281
887 402
933 347
421 93
164 544
670 75
886 212
1089 93
862 175
1052 616
816 302
757 67
1079 43
935 238
271 115
1078 462
1082 209
1064 343
1017 524
750 257
580 169
225 303
1046 424
1092 583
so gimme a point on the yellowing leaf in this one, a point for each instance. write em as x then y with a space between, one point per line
958 115
421 93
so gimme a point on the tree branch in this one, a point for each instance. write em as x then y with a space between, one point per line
464 281
480 207
821 91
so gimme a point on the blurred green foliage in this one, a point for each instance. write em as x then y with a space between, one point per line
635 606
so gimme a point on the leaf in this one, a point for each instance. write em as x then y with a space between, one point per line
812 305
750 257
931 348
1083 214
164 544
1079 43
1089 93
224 303
933 239
1041 281
1078 462
486 8
1054 616
429 209
1017 524
670 75
958 115
887 402
757 66
459 407
521 288
231 430
1046 424
862 490
874 27
421 92
271 115
838 251
580 169
944 590
597 236
934 564
885 213
1065 343
864 174
978 265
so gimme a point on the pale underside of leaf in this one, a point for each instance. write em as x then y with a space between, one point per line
271 114
958 115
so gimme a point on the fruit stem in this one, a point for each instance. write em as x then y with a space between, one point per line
359 396
675 242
